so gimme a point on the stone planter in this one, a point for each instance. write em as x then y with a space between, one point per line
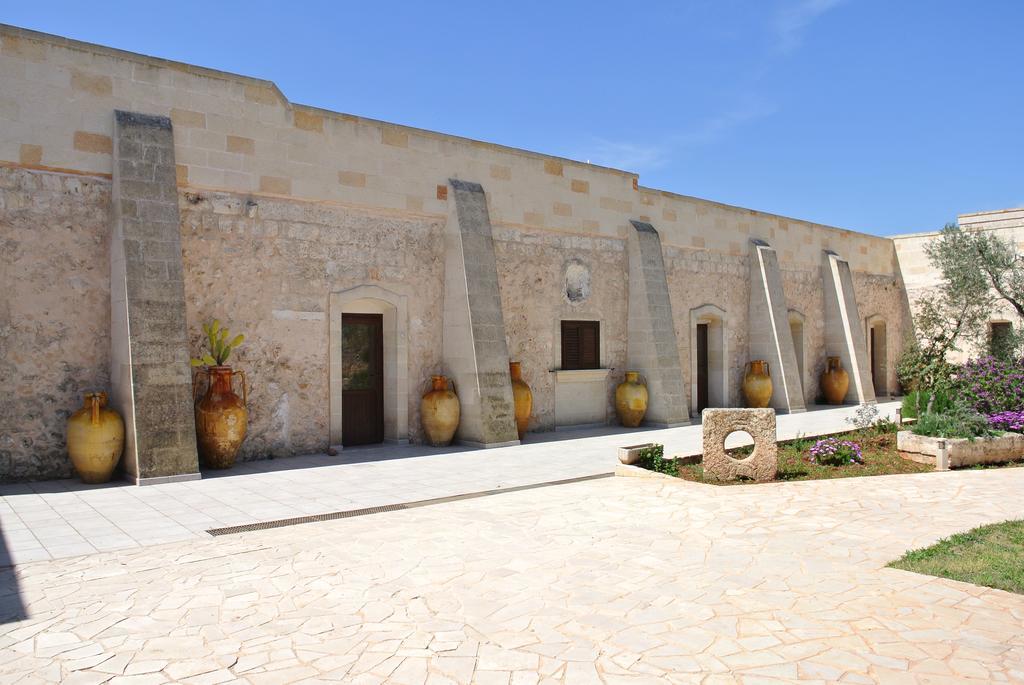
959 451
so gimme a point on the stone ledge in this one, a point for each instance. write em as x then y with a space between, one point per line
581 375
959 451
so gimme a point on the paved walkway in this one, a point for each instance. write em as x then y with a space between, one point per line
611 581
57 519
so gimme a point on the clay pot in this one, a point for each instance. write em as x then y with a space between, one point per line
757 384
835 381
95 439
221 418
523 398
439 412
631 400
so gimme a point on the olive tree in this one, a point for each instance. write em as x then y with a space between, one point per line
978 271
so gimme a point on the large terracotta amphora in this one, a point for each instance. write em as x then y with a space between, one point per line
757 384
835 381
439 412
523 398
631 400
95 439
221 418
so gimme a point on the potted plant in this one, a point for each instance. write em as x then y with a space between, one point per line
221 416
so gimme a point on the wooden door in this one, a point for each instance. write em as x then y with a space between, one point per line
702 367
362 379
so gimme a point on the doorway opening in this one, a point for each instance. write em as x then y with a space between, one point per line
702 367
362 379
369 378
709 377
878 356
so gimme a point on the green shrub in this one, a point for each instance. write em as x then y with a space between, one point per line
919 398
958 422
653 459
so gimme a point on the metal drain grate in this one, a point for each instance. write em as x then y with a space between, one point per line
299 520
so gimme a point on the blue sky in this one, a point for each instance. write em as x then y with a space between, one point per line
874 115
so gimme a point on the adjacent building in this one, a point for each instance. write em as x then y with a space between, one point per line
919 275
141 197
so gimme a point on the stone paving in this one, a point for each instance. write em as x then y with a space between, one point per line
65 518
610 581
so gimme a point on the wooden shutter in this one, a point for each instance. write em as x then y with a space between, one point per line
581 345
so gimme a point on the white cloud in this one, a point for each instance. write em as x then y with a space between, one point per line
794 17
645 156
626 155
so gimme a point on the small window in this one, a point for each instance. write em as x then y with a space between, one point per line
581 345
1001 338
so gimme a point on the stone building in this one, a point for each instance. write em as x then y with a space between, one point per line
140 198
919 275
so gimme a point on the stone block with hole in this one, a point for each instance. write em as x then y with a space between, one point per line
718 424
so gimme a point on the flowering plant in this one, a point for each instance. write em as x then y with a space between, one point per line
990 385
836 452
1008 421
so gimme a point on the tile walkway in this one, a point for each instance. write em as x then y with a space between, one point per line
609 581
56 519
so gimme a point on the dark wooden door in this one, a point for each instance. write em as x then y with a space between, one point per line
873 351
702 367
362 379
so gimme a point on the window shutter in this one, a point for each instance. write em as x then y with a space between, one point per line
581 345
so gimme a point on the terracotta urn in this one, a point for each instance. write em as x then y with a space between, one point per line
439 412
95 439
631 400
221 418
757 384
523 398
835 382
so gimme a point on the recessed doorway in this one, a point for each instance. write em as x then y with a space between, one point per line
362 379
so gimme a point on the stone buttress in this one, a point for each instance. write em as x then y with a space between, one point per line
150 375
475 350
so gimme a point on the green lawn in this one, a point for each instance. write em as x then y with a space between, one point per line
879 451
992 556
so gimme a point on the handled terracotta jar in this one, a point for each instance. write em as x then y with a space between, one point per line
221 418
757 384
631 400
439 412
95 439
523 397
835 382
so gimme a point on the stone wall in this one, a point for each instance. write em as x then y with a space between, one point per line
282 205
532 268
269 276
918 274
54 313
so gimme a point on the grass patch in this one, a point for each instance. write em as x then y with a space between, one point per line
992 556
879 452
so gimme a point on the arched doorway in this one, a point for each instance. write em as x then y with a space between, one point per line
878 354
368 342
709 373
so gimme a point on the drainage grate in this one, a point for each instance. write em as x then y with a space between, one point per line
299 520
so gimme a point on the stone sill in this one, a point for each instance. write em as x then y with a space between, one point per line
581 375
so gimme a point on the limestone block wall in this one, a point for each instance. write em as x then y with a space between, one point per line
532 268
283 204
918 274
270 275
54 313
699 277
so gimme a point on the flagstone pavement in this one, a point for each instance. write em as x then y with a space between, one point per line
63 518
618 580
